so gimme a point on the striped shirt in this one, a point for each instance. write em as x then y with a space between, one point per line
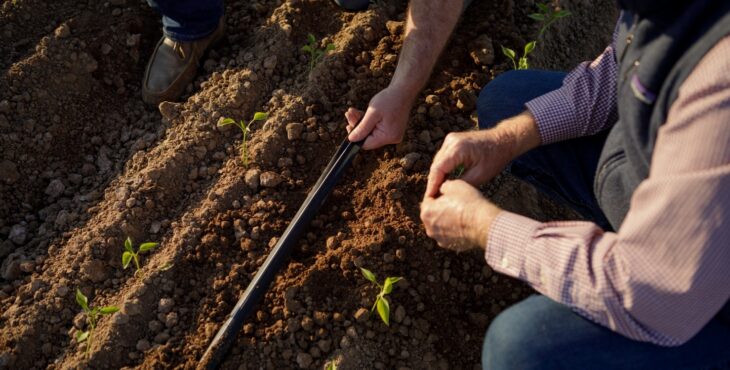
666 272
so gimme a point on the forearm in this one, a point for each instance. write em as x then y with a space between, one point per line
428 27
519 134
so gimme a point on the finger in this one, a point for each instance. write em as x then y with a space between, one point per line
353 115
365 127
444 162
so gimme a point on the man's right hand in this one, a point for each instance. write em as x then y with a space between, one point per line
385 120
484 154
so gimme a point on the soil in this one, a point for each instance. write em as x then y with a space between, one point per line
85 164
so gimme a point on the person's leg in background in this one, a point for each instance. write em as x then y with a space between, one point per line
564 171
539 333
189 28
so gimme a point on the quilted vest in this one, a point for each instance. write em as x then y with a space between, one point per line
659 44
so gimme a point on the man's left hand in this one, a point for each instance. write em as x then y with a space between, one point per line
459 218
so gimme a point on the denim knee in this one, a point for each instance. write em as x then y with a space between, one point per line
512 341
506 95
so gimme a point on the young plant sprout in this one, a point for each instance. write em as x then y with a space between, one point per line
546 15
130 255
92 318
258 116
381 303
522 62
332 365
315 53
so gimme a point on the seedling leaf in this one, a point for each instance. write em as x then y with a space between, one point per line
128 244
368 275
82 300
126 258
147 246
307 48
529 47
388 285
508 52
226 122
384 310
108 310
81 336
260 116
311 39
330 47
537 17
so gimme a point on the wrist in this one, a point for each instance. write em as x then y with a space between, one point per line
520 134
406 89
484 218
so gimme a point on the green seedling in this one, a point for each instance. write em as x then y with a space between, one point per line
381 303
547 15
92 318
258 116
130 255
520 63
315 53
332 365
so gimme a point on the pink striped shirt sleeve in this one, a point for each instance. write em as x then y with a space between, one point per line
665 273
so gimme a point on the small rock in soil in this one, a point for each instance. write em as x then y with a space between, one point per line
436 111
467 100
55 188
171 320
18 234
63 31
27 266
409 160
294 131
165 305
143 345
154 326
307 323
362 314
120 318
61 291
94 270
432 99
304 360
252 179
132 307
270 179
482 51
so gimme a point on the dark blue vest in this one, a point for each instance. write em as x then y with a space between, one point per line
658 45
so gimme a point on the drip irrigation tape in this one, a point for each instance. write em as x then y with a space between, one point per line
267 272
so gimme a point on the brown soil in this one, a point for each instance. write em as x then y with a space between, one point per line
85 164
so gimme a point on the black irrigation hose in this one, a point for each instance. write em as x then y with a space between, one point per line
260 284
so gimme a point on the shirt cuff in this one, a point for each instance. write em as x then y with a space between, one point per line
509 237
552 111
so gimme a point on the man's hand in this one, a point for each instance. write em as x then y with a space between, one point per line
384 122
458 219
484 154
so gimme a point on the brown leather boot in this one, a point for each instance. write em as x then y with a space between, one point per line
173 66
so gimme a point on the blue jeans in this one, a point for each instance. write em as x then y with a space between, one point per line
539 333
190 20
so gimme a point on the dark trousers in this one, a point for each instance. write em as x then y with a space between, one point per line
190 20
539 333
